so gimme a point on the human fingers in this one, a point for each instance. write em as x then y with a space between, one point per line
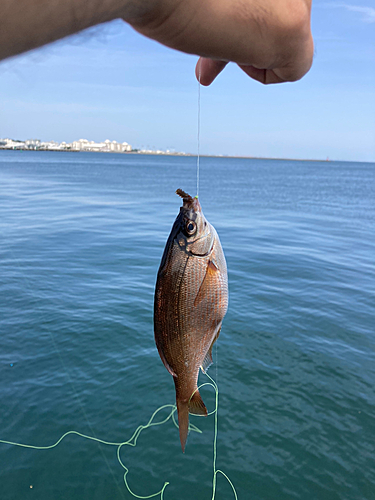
265 76
206 70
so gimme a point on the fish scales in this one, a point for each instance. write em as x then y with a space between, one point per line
191 299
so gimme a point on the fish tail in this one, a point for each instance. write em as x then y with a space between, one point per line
195 406
183 421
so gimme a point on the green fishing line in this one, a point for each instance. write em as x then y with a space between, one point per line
134 438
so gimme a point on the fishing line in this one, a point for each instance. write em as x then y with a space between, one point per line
152 422
133 439
213 384
199 124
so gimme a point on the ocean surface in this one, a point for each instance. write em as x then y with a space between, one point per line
81 238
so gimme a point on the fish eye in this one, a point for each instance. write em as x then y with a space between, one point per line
191 227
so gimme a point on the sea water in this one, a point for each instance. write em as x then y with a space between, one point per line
81 238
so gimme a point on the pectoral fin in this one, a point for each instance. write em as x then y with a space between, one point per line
208 282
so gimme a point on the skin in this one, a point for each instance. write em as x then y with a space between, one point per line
269 39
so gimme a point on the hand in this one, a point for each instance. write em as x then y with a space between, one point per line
270 40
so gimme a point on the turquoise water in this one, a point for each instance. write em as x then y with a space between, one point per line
82 235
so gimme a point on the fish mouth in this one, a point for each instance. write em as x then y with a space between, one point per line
188 201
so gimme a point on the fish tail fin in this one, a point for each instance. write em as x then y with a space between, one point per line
183 421
196 405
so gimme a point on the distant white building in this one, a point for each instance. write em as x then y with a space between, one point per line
33 143
106 147
54 145
12 144
81 145
116 146
113 146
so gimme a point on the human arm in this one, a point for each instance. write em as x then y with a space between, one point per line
270 39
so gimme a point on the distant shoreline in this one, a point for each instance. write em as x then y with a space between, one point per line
170 154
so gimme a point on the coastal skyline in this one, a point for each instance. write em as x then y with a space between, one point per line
106 146
80 145
111 82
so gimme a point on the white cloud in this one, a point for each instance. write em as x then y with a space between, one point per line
368 13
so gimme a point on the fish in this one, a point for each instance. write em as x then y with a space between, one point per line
191 300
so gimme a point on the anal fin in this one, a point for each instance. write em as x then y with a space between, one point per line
196 405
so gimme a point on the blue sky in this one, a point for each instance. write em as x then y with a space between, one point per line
111 83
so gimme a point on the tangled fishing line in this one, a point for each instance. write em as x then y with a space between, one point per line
134 438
